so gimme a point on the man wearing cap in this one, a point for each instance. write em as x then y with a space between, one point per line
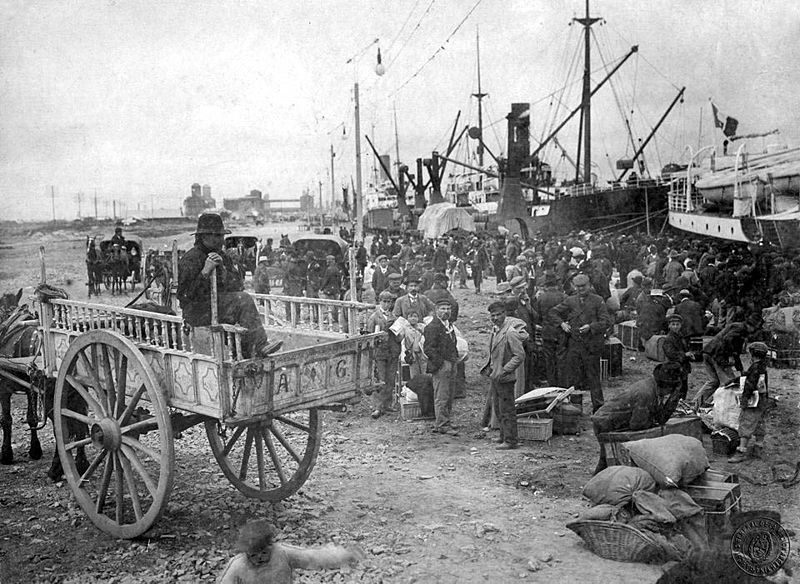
387 353
294 282
261 276
645 404
479 261
442 353
439 292
673 269
204 261
676 350
413 301
395 286
726 345
585 319
506 355
315 271
650 312
380 277
553 338
117 238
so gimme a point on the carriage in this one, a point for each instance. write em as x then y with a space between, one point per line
113 273
134 379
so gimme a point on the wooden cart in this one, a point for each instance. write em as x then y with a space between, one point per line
127 381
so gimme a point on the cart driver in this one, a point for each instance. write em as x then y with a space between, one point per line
118 238
234 305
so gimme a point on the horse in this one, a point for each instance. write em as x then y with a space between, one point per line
118 269
285 241
19 338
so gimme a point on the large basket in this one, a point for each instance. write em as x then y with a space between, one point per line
535 429
617 541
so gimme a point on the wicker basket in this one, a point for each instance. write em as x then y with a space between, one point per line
535 429
409 410
616 541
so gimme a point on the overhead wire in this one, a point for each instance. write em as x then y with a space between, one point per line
402 28
411 34
439 50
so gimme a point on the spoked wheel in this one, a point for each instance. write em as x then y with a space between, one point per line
268 460
108 404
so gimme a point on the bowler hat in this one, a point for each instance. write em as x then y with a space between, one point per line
210 224
758 348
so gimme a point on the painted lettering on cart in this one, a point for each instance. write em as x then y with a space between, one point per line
341 368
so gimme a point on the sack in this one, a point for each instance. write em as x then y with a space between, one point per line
672 460
654 348
654 506
726 406
617 484
604 512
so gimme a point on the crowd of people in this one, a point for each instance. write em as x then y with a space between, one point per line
556 301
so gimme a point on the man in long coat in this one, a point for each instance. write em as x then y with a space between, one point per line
440 348
585 319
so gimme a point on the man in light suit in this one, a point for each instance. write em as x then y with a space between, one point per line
440 348
505 356
386 354
585 319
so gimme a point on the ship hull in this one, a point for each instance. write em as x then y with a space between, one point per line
621 209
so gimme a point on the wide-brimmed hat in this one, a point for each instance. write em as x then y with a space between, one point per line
210 224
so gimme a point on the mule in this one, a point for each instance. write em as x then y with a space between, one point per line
19 338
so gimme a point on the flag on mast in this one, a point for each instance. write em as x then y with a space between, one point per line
730 124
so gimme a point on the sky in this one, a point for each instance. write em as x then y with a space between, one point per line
134 101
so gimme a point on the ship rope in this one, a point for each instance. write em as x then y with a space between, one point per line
411 34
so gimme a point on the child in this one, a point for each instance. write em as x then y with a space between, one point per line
676 351
753 404
412 337
262 560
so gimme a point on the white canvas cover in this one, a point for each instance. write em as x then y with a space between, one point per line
442 217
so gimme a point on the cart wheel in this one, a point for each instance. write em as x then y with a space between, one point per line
107 403
268 460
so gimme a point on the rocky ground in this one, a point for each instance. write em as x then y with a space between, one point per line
424 508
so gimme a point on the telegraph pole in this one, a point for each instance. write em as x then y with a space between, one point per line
53 201
79 196
359 213
95 204
333 181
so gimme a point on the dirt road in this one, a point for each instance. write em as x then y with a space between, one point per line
424 507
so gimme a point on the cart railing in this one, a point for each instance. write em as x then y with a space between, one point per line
160 330
314 314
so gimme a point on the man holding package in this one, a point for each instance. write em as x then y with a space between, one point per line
506 354
645 404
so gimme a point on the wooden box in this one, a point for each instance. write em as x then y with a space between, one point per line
716 476
612 352
719 501
409 410
618 454
534 429
628 334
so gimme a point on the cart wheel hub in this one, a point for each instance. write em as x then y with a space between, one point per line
106 434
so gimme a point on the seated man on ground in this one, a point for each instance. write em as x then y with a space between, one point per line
647 403
233 304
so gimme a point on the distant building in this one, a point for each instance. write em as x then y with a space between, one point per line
252 204
200 200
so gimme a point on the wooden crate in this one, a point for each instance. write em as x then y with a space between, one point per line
612 352
616 453
719 501
627 333
534 429
410 410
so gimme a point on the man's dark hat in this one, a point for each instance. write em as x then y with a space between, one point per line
210 224
444 302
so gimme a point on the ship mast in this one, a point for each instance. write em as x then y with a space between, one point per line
586 107
480 95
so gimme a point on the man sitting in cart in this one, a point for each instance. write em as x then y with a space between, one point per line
118 238
234 305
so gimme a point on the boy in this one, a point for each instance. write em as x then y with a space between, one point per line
754 405
676 351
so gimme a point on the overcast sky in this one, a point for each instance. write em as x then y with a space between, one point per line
136 99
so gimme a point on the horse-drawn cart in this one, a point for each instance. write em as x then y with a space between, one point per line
126 381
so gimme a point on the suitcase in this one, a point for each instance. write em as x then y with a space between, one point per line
628 334
612 352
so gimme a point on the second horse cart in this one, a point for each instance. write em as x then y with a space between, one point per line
126 381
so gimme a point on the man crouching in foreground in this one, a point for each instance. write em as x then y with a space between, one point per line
645 404
261 560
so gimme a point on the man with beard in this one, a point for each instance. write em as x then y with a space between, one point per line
195 270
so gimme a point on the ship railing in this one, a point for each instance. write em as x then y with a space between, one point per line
587 189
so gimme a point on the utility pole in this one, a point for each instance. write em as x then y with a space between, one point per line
359 213
114 207
79 197
333 181
320 195
53 201
95 204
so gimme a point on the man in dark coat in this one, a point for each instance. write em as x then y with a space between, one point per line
645 404
440 349
380 277
440 292
676 350
694 317
234 306
585 319
553 341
